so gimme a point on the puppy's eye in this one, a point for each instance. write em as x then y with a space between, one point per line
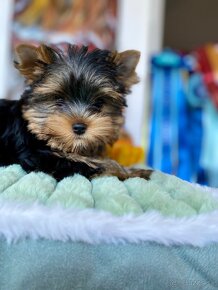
98 104
60 103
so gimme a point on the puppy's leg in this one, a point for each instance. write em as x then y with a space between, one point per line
112 168
94 167
143 173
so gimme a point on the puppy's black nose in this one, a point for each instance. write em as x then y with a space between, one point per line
79 128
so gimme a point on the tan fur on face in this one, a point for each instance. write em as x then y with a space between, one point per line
53 83
56 129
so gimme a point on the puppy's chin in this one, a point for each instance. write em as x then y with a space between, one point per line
89 146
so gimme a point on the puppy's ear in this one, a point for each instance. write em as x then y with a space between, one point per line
126 63
31 61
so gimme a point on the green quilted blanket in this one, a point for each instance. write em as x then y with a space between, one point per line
164 209
165 193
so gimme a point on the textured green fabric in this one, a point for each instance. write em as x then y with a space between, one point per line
50 265
165 193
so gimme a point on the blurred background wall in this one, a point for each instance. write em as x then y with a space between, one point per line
190 23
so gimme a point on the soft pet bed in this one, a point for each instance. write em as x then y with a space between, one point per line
106 234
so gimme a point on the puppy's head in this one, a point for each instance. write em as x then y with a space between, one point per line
74 100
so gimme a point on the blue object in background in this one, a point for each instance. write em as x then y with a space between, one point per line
176 125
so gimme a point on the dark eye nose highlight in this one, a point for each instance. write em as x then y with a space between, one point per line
79 128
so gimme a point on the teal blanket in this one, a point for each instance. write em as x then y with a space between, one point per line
51 265
106 234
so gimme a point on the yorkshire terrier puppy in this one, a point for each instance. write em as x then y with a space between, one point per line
70 111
